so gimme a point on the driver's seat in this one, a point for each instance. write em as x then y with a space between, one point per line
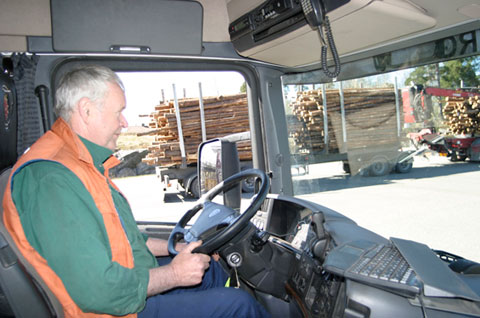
25 291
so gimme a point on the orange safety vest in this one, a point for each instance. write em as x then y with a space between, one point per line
62 145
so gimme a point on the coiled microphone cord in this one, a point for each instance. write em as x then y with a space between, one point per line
333 49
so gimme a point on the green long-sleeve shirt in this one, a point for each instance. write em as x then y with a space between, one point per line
61 221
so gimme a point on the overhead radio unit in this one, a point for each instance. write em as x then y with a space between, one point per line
272 19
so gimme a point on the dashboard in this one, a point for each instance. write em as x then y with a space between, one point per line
320 249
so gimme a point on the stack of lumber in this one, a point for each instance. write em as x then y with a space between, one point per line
462 115
308 132
370 118
224 115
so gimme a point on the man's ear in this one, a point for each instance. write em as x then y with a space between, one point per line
84 108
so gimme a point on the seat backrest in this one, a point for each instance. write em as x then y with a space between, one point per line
8 122
25 291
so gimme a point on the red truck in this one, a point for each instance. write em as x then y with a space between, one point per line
417 107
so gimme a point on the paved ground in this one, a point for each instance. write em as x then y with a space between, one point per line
440 203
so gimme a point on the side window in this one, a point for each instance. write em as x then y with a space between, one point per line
169 115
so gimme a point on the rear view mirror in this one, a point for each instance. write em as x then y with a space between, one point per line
217 160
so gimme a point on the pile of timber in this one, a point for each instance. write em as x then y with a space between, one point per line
370 119
224 115
462 115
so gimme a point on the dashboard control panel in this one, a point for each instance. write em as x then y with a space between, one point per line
317 289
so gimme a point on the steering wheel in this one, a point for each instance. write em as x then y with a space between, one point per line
217 223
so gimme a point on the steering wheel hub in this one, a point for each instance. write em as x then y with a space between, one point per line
217 223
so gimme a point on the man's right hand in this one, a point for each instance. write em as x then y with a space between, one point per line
188 268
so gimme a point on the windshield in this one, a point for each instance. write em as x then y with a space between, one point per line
395 152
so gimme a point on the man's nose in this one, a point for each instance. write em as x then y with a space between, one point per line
123 121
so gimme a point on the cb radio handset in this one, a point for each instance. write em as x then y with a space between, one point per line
315 15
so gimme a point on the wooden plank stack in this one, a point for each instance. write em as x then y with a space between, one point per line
370 119
224 115
462 115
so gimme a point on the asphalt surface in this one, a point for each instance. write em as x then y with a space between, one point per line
437 203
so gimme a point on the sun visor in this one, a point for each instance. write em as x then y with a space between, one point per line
127 26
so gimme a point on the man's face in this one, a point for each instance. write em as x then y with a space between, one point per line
108 120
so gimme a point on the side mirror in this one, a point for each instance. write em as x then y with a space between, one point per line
217 160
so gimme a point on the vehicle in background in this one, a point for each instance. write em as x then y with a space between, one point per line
180 125
457 137
360 126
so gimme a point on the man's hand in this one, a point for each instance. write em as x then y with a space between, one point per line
180 246
159 247
188 268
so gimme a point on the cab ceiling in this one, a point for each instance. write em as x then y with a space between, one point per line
358 26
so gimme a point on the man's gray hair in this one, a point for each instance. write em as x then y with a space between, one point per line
89 81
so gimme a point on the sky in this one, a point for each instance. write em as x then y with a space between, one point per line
143 91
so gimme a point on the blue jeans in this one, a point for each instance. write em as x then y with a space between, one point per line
207 300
